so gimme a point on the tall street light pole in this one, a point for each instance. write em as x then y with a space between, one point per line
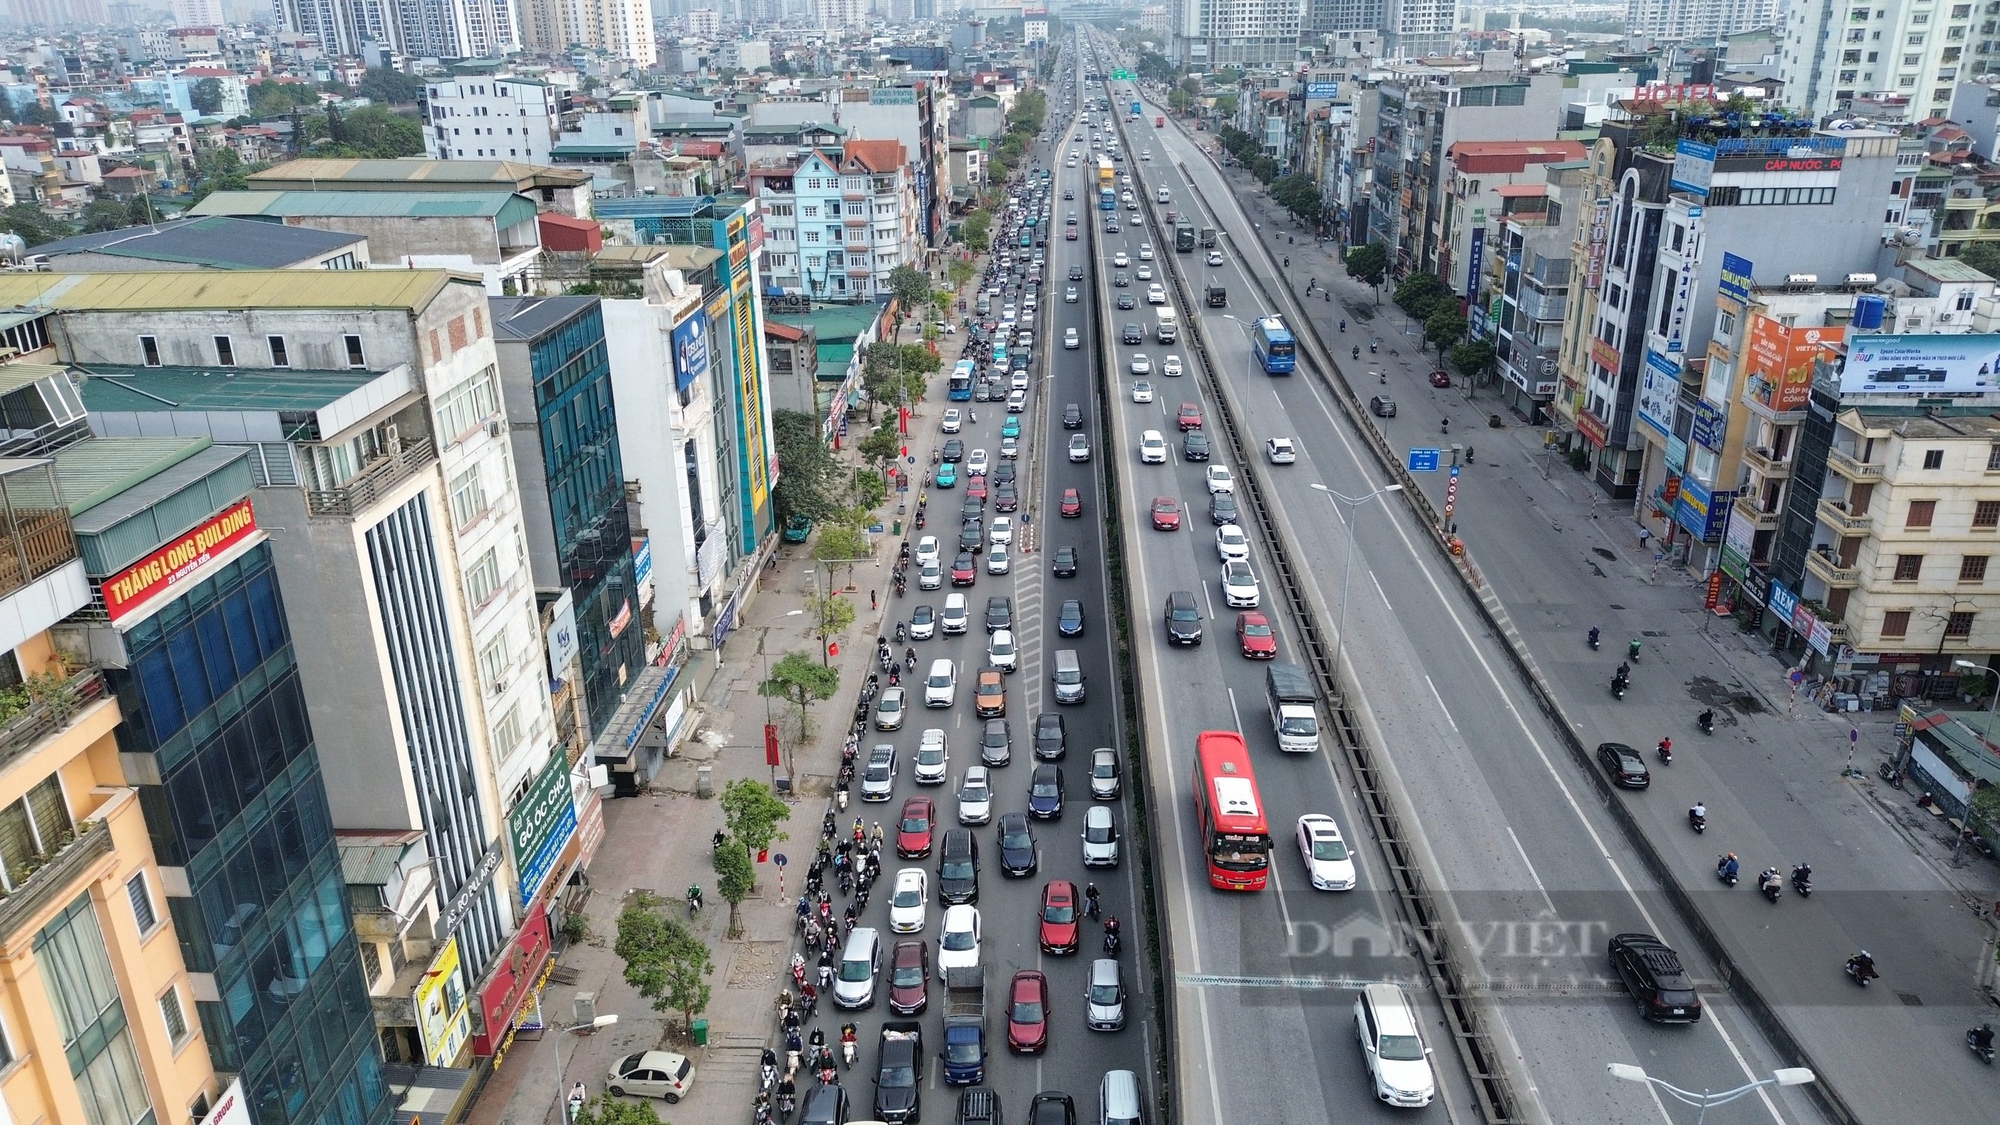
1347 569
1783 1076
562 1096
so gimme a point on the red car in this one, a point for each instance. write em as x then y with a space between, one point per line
1190 416
1072 504
913 830
1254 633
1166 514
909 977
975 486
1028 1013
1059 913
1440 378
1070 234
964 571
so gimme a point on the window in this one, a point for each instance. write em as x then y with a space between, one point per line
1921 512
6 1050
35 825
355 358
371 962
1986 514
149 346
465 406
1933 458
482 579
279 357
507 732
468 497
1908 567
142 903
495 659
1725 324
1972 568
1958 624
225 352
172 1015
83 990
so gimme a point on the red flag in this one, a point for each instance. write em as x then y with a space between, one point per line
833 649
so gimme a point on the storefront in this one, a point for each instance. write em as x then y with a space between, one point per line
509 997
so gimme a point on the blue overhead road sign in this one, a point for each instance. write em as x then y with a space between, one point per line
1425 460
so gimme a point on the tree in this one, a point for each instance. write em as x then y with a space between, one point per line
1264 168
912 288
959 272
382 133
883 443
976 230
735 878
274 99
607 1110
1445 326
1369 263
1474 357
30 111
105 215
390 87
831 613
32 224
808 484
1300 195
1225 104
801 683
206 96
838 544
663 959
1416 292
752 814
1982 256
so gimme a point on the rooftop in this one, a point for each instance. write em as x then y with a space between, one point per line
833 323
528 318
109 389
214 241
1931 427
504 208
415 175
176 290
92 474
1938 269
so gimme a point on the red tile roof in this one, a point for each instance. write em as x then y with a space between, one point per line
876 156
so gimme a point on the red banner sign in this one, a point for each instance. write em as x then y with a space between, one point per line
1591 427
1714 594
770 744
175 561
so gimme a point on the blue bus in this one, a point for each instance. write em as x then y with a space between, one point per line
1107 200
1274 345
960 387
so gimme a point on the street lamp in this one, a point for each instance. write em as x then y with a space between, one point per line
562 1097
1783 1076
1347 568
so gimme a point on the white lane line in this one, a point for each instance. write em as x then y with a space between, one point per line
1442 709
1532 873
1205 596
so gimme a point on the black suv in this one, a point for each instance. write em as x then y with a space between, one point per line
1072 417
1626 765
1194 446
1183 618
954 450
1656 978
1065 562
979 1106
999 613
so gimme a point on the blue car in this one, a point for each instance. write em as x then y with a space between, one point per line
947 475
1045 792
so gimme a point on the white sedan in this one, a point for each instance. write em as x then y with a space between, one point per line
1121 259
906 905
958 944
1220 479
1171 367
1239 585
1231 543
1215 257
1325 853
1072 340
1152 448
1141 364
1142 391
977 462
1002 530
927 550
953 419
1145 251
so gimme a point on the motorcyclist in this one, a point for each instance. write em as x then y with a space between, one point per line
1357 351
1593 636
1624 671
910 657
1698 812
1666 749
1982 1037
1090 899
1633 648
1802 873
1343 325
1769 880
1863 966
1728 868
694 896
1706 720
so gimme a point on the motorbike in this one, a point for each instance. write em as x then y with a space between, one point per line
1666 751
1697 821
694 899
1979 1041
1357 351
1372 345
1706 722
902 631
849 1040
769 1070
1802 880
1860 974
1726 871
1769 883
1618 686
1111 943
1593 638
1889 773
1632 650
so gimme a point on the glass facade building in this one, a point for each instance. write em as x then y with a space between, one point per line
212 695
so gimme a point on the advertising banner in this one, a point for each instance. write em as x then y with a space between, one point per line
1473 260
1677 454
690 350
1592 428
1720 503
1783 602
1694 167
1683 296
1930 365
1604 355
1710 424
1659 386
750 404
443 1020
1691 506
154 574
1779 162
540 825
1781 359
1600 236
1736 543
561 635
1322 91
231 1108
1736 277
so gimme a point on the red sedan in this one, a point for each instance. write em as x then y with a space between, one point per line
1072 504
1070 234
1190 416
975 486
1254 633
1028 1013
909 977
1166 514
913 830
964 571
1440 378
1059 914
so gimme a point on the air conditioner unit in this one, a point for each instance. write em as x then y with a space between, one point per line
393 438
495 428
1944 318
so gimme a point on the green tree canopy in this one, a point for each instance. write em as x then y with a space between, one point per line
34 225
1416 293
976 231
752 813
390 87
1982 256
1368 262
607 1110
206 94
735 878
274 99
1445 325
1298 194
912 288
663 959
808 486
1474 357
30 111
800 682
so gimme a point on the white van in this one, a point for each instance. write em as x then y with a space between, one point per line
941 686
854 986
955 614
1163 196
1118 1099
1067 677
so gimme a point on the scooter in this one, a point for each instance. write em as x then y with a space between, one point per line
1706 722
1618 686
1802 880
1981 1045
1666 751
1593 638
1859 975
1769 883
1632 650
1697 821
1725 872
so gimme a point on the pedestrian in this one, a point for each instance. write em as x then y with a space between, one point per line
871 595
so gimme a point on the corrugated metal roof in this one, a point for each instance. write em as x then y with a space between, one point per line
310 173
369 864
229 289
144 389
13 376
504 207
213 241
526 318
133 472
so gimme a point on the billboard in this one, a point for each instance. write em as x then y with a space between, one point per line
1322 91
1694 167
1781 360
540 825
690 350
1659 387
1475 259
179 559
444 1022
1736 277
1929 365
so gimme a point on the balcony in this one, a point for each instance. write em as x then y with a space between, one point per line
1758 518
1833 513
372 483
856 248
1765 465
58 874
1827 568
52 704
854 196
35 535
1846 464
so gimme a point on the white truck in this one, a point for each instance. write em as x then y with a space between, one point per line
1294 708
1169 328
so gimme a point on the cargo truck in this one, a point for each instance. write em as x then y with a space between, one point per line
1208 238
1169 329
965 1025
1184 238
1294 708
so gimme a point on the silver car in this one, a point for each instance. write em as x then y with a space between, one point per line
889 709
975 797
878 780
1104 999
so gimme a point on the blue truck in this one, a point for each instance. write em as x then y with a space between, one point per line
965 1025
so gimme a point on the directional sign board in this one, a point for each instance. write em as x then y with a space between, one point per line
1121 75
1426 460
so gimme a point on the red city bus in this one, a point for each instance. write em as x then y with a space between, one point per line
1230 814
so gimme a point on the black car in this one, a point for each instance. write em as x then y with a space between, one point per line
1069 193
958 868
1004 473
898 1097
1063 564
978 1106
1656 977
996 743
1006 497
1626 766
1069 620
1111 225
1018 856
1195 446
1045 793
1051 739
1222 509
1183 618
823 1105
1131 334
972 537
954 450
1052 1107
1076 273
999 613
972 507
1127 301
1072 416
1121 279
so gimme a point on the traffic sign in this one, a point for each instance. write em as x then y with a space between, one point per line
1451 495
779 859
1426 460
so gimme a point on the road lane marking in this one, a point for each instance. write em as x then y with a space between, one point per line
1442 709
1532 873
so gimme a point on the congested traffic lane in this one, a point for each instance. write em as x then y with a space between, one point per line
1524 852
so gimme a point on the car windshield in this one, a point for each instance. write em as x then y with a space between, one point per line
916 822
1097 834
930 755
1014 839
1026 1011
1400 1048
894 1076
1255 629
1045 789
958 940
1329 848
909 895
1185 613
940 679
1104 994
877 771
908 975
854 972
891 702
956 869
966 1052
1104 769
1059 912
923 615
973 793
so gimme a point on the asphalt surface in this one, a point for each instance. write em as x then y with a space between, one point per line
1528 862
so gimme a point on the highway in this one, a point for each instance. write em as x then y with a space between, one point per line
1525 861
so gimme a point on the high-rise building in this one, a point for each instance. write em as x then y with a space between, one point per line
1246 33
198 13
832 15
1902 59
1414 29
445 29
489 116
1324 17
623 28
1699 22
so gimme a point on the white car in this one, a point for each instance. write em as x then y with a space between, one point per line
1239 585
1002 531
1215 257
1018 381
1001 652
1142 391
1156 295
927 550
941 686
1231 543
1280 451
958 942
1152 448
1143 273
1146 154
1121 259
977 462
1072 340
975 797
923 622
907 902
1070 296
1325 853
998 559
1141 364
1145 251
932 758
1171 367
952 421
1220 479
1017 401
1079 448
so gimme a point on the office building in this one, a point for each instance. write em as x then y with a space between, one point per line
497 117
1257 34
622 29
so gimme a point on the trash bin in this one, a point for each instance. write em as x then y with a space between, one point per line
899 523
700 1028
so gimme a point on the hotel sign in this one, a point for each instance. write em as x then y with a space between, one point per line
152 575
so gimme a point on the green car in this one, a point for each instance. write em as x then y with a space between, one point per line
947 475
797 528
1012 427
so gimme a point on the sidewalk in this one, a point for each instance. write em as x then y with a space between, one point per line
660 843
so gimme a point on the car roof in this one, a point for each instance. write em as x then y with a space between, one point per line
1096 813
